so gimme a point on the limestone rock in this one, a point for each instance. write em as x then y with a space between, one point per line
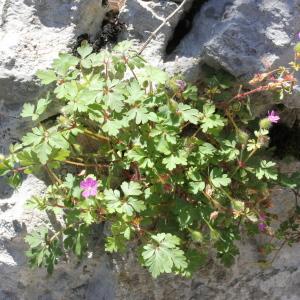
32 33
241 36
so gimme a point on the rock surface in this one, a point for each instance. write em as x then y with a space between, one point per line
32 33
241 36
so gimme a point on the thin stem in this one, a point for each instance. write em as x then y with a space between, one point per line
196 132
85 165
231 120
277 252
249 156
20 169
52 175
96 135
155 32
132 71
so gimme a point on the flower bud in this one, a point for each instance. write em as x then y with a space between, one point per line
263 140
236 106
196 235
213 215
242 137
265 123
181 85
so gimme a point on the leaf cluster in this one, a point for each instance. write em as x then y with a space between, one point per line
176 168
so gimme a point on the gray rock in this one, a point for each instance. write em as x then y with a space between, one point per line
32 33
242 36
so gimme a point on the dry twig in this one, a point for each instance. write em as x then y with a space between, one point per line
154 33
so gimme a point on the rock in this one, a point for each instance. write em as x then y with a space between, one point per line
143 17
93 278
245 280
32 34
242 37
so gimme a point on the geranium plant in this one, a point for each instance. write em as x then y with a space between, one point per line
172 167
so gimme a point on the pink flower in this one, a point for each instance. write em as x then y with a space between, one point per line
262 225
273 117
181 85
89 186
299 35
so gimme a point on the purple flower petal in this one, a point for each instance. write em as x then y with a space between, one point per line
262 227
89 187
273 117
86 193
262 217
93 191
181 84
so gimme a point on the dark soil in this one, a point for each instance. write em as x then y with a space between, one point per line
285 140
107 35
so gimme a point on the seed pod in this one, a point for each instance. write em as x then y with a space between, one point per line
236 106
265 123
242 137
196 236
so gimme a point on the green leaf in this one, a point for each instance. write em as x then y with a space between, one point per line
65 61
130 206
85 49
123 46
229 150
37 237
121 227
115 101
27 158
15 180
141 115
4 167
87 217
60 154
34 137
172 161
112 127
154 74
209 119
196 187
188 114
138 155
68 90
30 111
43 152
163 255
131 188
46 76
136 94
195 261
219 179
163 145
57 140
267 170
112 197
115 244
